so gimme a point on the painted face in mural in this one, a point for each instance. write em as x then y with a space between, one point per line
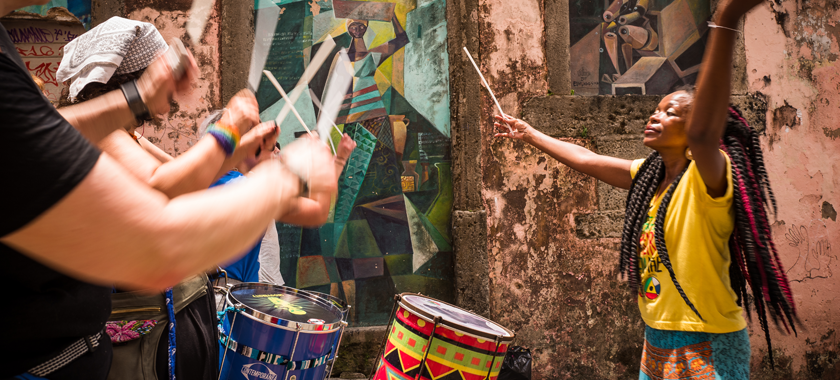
666 127
357 28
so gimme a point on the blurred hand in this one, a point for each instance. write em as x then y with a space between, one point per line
242 111
258 143
344 149
157 84
504 124
312 160
322 172
289 183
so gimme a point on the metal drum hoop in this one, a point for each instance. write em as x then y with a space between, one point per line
453 325
270 320
331 299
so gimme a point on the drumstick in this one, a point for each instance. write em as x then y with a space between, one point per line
199 13
323 53
487 86
286 98
318 104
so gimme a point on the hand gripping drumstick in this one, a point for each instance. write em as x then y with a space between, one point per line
487 86
286 98
318 104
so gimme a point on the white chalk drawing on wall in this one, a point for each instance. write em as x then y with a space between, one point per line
814 260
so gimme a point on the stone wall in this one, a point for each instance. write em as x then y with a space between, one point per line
176 131
552 234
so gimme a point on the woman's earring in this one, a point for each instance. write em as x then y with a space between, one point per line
688 154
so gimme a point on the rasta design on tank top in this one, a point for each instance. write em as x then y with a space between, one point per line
649 263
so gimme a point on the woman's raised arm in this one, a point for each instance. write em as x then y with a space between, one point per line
614 171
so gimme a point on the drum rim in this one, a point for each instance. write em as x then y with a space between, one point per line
280 322
345 308
453 325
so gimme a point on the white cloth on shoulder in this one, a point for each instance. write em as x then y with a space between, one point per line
270 257
117 46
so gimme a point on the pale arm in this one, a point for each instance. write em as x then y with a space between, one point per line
153 149
314 210
135 237
191 171
97 118
614 171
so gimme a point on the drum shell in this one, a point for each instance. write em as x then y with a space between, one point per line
278 339
451 349
345 314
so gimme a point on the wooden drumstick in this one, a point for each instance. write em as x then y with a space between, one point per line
487 86
318 104
286 98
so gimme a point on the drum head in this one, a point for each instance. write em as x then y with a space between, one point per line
455 315
285 303
335 301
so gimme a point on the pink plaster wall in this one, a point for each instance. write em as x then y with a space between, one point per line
794 63
177 131
560 293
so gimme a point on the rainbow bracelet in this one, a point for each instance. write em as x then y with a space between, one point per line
226 134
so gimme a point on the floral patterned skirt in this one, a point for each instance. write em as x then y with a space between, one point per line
695 355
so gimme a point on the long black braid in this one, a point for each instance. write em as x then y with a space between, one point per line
755 261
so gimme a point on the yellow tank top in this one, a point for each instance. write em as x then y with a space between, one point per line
697 231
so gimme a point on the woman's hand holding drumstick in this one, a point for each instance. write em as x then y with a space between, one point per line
486 85
511 127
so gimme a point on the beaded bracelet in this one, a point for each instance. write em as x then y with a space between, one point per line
226 134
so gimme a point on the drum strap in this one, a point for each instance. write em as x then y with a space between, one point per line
72 352
269 358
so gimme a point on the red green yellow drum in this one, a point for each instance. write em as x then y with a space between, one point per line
464 346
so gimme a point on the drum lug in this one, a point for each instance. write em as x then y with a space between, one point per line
294 347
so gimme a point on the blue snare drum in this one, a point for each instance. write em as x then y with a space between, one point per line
345 314
271 332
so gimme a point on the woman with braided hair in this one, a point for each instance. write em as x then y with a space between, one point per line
696 229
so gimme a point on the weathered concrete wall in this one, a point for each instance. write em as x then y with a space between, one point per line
552 234
792 58
176 131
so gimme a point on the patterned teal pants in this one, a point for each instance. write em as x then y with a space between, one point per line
695 355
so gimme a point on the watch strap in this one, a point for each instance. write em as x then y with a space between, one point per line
135 101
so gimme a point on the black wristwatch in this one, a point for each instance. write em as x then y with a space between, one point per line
135 102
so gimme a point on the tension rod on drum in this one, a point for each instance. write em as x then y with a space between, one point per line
229 335
294 348
391 320
335 358
492 361
428 348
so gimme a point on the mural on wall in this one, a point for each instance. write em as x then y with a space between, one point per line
389 227
79 8
40 44
645 47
